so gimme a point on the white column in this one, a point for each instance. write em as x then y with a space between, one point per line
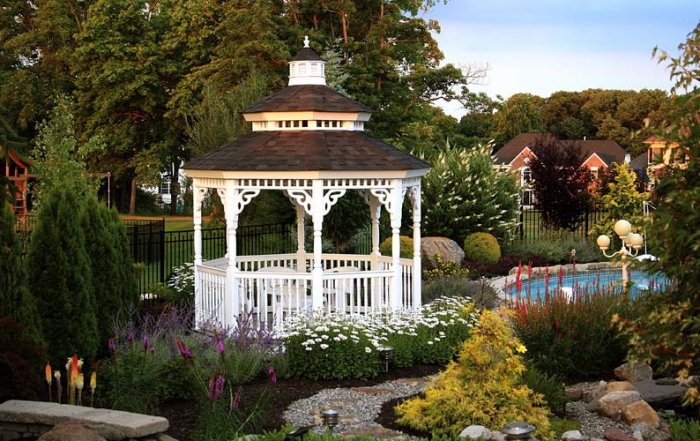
417 270
396 283
375 210
197 196
231 199
301 251
317 209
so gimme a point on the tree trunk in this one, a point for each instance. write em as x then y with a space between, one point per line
132 197
344 22
174 189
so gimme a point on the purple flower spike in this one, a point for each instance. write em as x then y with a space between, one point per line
220 345
111 345
146 343
184 350
130 338
212 386
272 374
236 400
219 386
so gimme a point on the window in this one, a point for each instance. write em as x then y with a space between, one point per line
528 197
164 187
525 176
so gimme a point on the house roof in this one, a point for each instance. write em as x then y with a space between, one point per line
307 97
323 150
608 150
640 162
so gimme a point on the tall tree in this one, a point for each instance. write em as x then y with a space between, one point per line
560 182
16 302
521 113
62 277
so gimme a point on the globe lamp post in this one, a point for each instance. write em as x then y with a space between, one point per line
631 243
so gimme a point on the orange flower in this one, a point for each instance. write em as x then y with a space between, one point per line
74 369
49 376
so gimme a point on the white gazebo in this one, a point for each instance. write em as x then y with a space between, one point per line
307 142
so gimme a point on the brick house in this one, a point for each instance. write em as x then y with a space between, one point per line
516 154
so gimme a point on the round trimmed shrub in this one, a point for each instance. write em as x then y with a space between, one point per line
406 247
482 248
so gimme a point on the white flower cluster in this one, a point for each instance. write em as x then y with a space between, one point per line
182 278
319 329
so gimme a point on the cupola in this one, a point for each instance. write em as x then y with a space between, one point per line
306 67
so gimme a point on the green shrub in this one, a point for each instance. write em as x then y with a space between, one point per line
555 248
684 430
406 247
61 276
481 294
574 339
21 360
483 387
482 248
547 385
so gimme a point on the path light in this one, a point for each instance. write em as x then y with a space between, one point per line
298 434
387 353
518 430
631 243
329 417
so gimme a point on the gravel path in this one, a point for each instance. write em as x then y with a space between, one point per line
357 407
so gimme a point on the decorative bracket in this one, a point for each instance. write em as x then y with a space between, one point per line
330 198
301 197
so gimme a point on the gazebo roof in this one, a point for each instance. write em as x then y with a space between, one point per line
323 150
305 97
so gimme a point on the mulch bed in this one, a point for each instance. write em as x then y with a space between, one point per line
183 414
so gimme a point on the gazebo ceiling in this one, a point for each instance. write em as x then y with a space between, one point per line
314 97
324 150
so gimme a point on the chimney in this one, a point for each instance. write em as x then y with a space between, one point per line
628 158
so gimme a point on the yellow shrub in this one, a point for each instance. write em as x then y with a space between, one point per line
481 388
406 247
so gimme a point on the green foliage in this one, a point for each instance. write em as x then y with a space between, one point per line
125 277
547 385
684 430
560 182
671 325
621 200
59 158
556 329
346 218
555 248
406 247
463 193
482 248
341 346
61 277
521 113
16 302
21 360
480 293
483 387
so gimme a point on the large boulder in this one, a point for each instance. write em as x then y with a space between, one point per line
619 386
612 403
634 372
448 250
641 412
476 432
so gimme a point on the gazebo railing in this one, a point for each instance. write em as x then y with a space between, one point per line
271 287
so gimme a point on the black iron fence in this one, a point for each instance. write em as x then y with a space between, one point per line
532 225
158 252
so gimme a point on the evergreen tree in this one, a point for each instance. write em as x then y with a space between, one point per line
15 300
125 278
102 250
621 200
61 277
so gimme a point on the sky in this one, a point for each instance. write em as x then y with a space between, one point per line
543 46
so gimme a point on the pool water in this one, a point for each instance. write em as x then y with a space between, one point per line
589 282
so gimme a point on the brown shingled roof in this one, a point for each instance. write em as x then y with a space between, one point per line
307 97
311 150
306 54
608 150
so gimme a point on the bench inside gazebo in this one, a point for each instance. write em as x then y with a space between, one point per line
308 142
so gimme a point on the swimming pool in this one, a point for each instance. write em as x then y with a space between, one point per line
585 282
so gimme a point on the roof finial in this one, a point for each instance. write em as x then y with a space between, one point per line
306 41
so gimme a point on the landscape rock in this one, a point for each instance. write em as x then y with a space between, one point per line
619 386
651 434
612 403
476 432
593 393
448 249
659 394
71 431
634 372
572 435
613 434
640 411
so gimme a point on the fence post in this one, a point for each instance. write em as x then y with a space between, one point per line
522 223
161 250
585 222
